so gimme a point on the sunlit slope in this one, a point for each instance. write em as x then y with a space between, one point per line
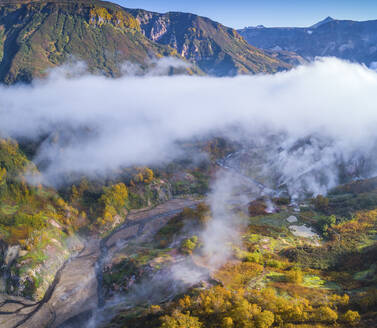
37 35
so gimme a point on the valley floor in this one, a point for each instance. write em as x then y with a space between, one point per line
74 292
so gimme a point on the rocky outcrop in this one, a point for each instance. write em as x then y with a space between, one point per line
8 254
216 49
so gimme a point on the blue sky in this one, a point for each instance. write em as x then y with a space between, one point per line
241 13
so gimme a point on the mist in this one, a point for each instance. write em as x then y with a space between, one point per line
97 125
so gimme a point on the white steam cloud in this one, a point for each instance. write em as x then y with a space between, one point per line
138 120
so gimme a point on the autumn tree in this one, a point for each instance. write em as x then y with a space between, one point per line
351 317
180 320
227 322
148 175
113 200
326 314
145 175
294 276
115 196
265 319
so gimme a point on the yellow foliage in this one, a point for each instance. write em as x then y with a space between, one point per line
294 276
126 20
3 173
61 203
185 302
145 175
148 175
239 274
351 317
115 196
100 16
253 308
155 309
362 222
341 300
325 314
107 217
243 312
74 193
227 323
180 320
265 319
214 300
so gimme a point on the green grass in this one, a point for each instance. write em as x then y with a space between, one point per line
8 209
366 274
313 281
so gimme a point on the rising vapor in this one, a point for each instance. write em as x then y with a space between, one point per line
137 120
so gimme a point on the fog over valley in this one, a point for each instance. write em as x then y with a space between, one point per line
103 124
162 170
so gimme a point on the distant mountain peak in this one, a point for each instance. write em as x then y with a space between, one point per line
326 20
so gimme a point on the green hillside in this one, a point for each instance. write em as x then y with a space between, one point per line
37 35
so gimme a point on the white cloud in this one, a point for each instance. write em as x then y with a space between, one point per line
137 120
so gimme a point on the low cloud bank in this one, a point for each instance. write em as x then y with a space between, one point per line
102 124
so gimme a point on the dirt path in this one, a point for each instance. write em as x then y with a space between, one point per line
77 287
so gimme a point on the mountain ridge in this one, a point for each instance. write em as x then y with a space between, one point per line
215 48
38 35
345 39
324 21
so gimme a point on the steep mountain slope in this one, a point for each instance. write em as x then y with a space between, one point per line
36 35
355 41
216 49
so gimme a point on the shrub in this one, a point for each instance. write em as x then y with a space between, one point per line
3 173
180 320
275 264
189 245
351 317
326 314
294 276
34 221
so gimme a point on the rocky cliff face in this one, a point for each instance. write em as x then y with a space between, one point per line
355 41
216 49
